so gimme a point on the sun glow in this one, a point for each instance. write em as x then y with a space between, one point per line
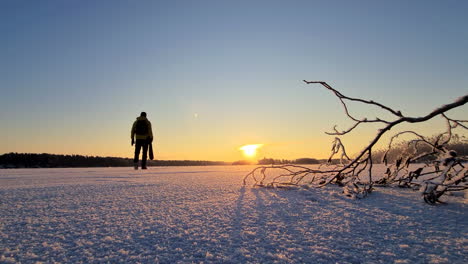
250 150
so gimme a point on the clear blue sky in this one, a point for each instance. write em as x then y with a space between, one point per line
215 75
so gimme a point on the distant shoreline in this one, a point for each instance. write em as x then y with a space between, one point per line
46 160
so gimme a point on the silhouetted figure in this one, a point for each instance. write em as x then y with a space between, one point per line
141 130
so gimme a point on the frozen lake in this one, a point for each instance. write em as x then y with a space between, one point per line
204 214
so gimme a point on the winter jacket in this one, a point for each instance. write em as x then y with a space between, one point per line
145 136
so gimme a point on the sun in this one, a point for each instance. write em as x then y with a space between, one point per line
250 150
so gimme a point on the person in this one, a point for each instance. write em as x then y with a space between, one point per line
142 132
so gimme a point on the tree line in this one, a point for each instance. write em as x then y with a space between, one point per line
459 144
45 160
300 161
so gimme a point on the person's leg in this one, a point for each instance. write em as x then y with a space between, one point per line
137 153
144 157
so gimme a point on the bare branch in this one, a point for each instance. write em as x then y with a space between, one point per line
456 122
348 175
341 96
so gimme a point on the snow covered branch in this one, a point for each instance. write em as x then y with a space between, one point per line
350 173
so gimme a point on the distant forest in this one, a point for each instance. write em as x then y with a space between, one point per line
30 160
459 144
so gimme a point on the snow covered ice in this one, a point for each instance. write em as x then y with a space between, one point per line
204 214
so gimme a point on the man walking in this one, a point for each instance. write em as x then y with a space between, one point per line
141 130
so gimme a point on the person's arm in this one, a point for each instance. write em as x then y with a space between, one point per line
132 133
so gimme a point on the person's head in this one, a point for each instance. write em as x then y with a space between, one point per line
143 114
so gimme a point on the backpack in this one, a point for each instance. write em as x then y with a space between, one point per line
141 127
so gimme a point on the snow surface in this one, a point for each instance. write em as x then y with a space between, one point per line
204 214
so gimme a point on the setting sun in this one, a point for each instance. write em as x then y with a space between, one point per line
250 150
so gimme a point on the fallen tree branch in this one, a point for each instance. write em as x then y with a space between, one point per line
349 174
